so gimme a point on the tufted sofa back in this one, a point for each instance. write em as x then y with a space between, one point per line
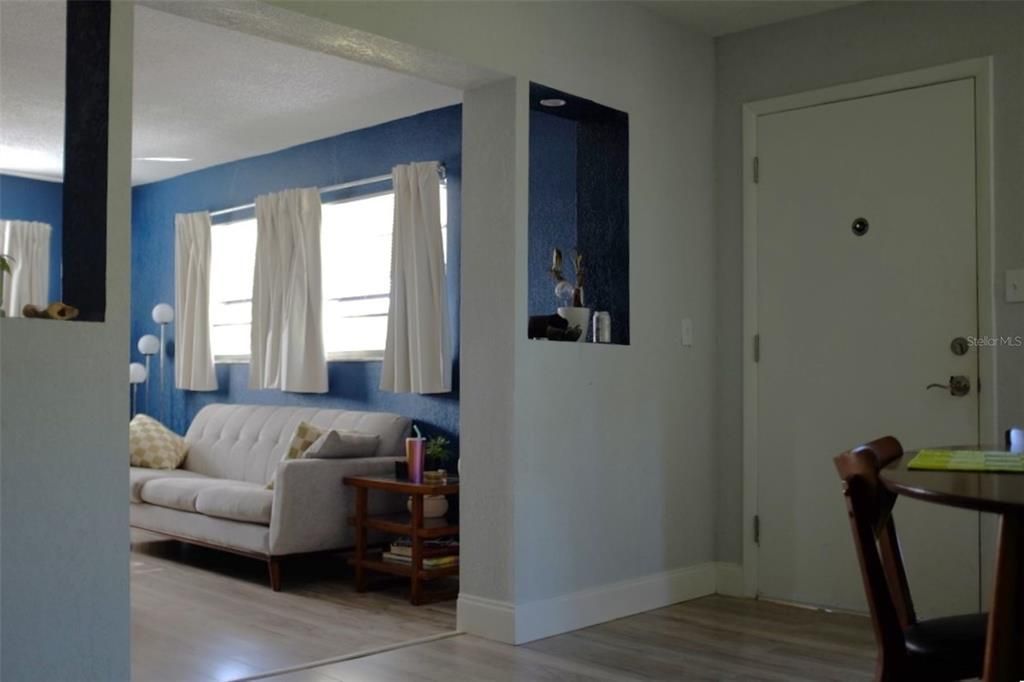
246 442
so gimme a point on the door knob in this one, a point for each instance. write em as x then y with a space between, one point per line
958 385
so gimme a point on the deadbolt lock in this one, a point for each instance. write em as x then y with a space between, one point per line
959 346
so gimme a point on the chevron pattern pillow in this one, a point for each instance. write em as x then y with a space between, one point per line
154 446
305 435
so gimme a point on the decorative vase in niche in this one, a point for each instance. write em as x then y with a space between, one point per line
434 506
576 317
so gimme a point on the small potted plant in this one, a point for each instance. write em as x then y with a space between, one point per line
438 455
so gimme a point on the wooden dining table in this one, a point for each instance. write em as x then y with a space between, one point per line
993 493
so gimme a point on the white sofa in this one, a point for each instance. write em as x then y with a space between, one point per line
219 496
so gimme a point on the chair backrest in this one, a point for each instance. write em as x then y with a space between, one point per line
874 534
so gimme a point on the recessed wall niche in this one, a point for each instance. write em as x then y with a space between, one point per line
579 219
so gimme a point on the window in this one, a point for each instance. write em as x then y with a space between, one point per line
233 261
355 250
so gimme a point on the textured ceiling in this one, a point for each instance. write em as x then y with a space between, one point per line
719 17
200 91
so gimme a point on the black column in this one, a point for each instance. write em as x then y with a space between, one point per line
86 109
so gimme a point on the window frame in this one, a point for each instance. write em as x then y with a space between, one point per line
333 356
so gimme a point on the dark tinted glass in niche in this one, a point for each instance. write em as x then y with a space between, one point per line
579 219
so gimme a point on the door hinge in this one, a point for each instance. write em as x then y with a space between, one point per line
757 348
757 529
757 170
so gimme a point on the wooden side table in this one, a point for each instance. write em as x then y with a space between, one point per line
414 525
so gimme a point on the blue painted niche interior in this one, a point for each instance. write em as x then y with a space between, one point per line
579 202
430 136
552 204
40 200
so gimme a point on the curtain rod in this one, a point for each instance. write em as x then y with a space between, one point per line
332 188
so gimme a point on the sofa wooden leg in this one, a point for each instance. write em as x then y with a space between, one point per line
274 567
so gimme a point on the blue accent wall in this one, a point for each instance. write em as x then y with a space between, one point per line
602 194
431 136
27 199
552 205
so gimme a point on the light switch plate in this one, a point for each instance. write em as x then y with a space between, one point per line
687 331
1015 286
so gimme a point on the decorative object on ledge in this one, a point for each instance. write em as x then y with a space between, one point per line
602 326
551 327
163 315
136 375
5 269
148 345
54 311
577 315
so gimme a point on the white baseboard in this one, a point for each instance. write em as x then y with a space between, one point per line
487 618
518 624
729 579
539 619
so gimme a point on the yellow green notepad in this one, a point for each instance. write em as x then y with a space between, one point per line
967 460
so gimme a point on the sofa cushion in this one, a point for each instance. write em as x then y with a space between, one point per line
153 445
177 493
343 444
139 476
248 502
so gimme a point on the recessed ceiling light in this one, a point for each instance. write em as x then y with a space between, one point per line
552 102
163 159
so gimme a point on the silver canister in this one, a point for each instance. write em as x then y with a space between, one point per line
602 327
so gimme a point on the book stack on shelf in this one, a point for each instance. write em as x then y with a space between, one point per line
437 553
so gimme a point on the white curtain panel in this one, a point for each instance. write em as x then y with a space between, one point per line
287 298
29 282
418 355
193 356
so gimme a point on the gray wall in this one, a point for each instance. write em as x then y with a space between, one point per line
488 275
64 610
611 451
856 43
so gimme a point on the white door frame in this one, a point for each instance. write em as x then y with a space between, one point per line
980 70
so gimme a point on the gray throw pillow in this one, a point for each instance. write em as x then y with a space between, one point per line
341 444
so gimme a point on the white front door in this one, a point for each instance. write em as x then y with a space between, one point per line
867 266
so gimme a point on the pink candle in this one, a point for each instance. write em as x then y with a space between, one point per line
414 448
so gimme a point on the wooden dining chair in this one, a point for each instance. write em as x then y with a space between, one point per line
938 649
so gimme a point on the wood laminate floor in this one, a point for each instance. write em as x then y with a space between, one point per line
714 638
200 615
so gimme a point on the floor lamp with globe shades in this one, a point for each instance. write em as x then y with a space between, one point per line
149 345
136 375
163 315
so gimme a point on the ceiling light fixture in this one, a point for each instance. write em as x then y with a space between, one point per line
25 160
552 102
163 159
